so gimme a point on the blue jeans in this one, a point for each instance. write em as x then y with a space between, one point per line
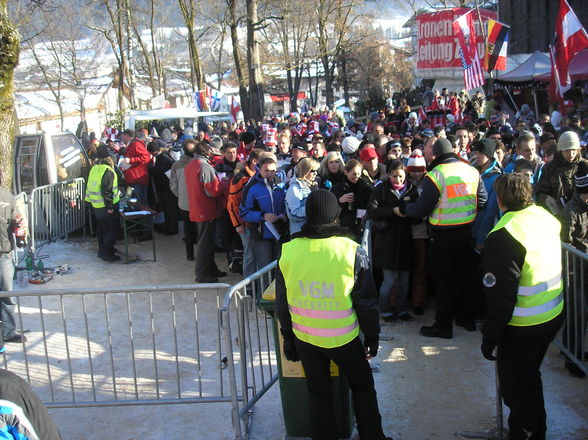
391 277
249 265
7 304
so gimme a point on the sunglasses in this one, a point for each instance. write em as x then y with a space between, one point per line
314 171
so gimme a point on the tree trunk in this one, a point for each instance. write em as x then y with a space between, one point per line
9 49
243 95
254 62
345 78
156 61
145 52
188 10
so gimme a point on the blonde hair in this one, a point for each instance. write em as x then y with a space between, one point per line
304 166
330 157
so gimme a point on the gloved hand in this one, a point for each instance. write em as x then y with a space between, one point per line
371 347
290 351
487 349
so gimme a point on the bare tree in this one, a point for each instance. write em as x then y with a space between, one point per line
9 50
188 9
237 59
256 85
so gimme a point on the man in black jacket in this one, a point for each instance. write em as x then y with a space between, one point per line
452 193
323 325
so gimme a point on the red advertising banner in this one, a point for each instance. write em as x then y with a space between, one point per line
437 46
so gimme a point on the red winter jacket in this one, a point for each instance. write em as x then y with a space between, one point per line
207 194
140 157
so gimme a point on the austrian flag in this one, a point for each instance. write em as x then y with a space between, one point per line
463 28
570 39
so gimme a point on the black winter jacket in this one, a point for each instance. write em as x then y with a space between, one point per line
364 294
575 223
392 245
362 192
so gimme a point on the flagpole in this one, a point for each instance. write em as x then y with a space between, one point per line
491 82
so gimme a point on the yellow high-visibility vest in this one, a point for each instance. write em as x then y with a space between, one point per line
319 277
540 293
93 189
457 183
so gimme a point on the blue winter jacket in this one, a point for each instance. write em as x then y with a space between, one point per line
259 198
487 217
296 197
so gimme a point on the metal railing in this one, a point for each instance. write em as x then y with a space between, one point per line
56 210
122 347
255 371
572 339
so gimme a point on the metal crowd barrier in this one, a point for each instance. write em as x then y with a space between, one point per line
253 367
56 210
124 346
572 339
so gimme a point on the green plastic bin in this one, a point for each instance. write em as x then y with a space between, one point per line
295 394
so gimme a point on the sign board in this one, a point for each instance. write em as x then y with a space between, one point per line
437 47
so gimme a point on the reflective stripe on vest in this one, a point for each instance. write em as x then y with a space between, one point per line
93 189
457 183
540 292
319 275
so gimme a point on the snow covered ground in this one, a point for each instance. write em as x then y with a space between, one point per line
427 388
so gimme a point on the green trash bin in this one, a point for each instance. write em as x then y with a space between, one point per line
295 394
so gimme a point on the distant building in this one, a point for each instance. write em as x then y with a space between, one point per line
533 22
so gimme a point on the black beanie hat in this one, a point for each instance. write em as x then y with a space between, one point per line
102 152
322 207
486 146
442 146
581 177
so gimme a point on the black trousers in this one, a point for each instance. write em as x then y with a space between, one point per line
352 362
169 203
190 233
451 263
107 231
205 265
520 354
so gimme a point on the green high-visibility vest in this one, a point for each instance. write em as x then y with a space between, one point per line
319 277
93 189
540 293
457 183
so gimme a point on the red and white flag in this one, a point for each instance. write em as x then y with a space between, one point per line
235 109
570 38
463 28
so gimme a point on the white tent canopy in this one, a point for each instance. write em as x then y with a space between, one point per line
536 65
172 113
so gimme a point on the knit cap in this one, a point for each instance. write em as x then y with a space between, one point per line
350 144
486 146
442 146
581 177
322 208
568 140
102 152
416 162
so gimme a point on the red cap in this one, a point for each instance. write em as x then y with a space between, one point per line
367 154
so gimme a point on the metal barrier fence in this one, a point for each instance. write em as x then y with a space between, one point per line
125 346
56 210
255 371
572 339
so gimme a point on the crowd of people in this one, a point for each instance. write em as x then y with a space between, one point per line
426 181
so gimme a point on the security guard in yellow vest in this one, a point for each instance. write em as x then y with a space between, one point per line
102 192
325 295
452 193
524 292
